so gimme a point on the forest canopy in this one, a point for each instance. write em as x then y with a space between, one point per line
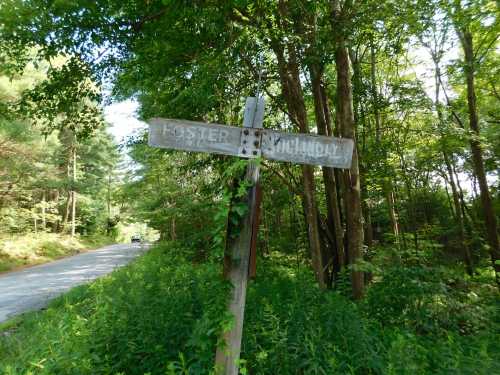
413 83
328 67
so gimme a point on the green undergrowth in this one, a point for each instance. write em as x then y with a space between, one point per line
36 248
162 314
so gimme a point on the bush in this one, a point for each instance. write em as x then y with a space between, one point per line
163 314
429 300
292 327
134 321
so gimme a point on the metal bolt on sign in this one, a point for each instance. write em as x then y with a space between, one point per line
247 142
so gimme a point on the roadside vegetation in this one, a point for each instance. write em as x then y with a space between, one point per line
389 267
58 184
29 249
163 313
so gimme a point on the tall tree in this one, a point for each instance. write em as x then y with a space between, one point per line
352 188
467 18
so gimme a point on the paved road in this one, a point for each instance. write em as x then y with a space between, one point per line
33 287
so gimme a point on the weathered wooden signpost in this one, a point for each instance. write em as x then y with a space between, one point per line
251 141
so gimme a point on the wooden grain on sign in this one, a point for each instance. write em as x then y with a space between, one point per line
250 143
307 149
239 247
194 136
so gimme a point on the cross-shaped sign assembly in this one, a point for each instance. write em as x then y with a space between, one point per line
251 141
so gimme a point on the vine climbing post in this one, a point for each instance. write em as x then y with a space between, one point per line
237 259
249 142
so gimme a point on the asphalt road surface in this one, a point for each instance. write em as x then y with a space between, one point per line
32 288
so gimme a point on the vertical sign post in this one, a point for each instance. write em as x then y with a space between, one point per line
237 259
251 141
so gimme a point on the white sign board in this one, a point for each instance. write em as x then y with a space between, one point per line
229 140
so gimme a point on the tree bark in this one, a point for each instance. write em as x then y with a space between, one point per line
56 225
359 119
354 215
374 92
173 230
454 191
469 220
458 216
389 196
323 121
477 153
109 194
44 219
368 228
73 195
294 97
68 199
413 225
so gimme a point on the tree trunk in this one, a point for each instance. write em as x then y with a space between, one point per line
374 92
292 92
389 194
469 220
359 118
448 197
354 216
477 154
73 196
454 191
458 216
56 225
411 202
109 194
69 196
173 230
44 219
368 229
323 121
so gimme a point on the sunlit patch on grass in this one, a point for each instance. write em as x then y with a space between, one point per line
36 248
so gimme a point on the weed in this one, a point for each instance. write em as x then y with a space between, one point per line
163 314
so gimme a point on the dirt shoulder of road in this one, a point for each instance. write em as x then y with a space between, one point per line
21 251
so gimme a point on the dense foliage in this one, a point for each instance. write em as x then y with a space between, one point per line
119 325
409 231
46 163
328 66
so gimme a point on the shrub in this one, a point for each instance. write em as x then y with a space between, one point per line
163 314
294 328
429 300
133 321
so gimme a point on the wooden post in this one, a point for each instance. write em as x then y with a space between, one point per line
250 142
44 204
227 356
252 270
73 195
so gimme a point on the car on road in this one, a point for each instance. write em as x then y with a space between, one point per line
136 238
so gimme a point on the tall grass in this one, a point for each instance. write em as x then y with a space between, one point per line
163 314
